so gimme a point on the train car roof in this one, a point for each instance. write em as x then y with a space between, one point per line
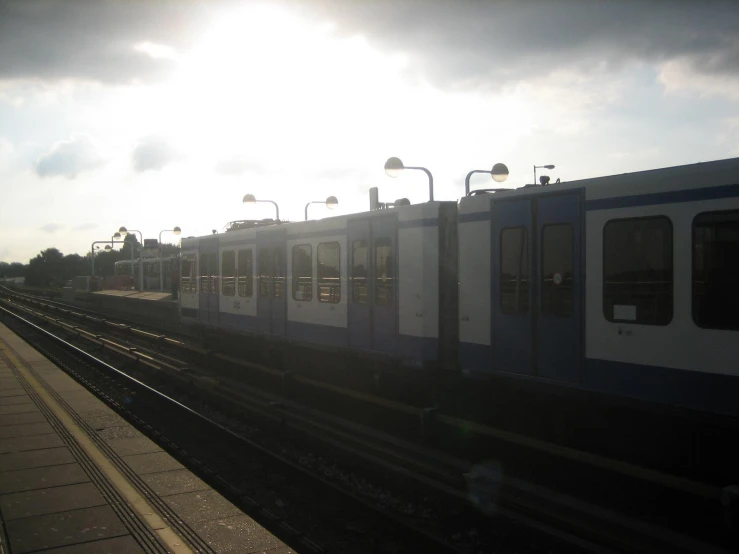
704 175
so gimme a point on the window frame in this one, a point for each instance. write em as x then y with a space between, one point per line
376 287
693 269
192 282
525 230
672 270
541 269
249 283
295 280
333 287
224 284
367 254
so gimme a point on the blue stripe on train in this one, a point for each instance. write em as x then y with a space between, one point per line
696 390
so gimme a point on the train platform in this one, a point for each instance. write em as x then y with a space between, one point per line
133 294
76 478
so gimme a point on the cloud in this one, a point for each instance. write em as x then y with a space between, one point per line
51 227
236 167
68 158
152 153
85 227
92 40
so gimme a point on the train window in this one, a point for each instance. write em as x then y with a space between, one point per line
265 273
384 272
228 273
637 270
514 271
557 270
303 272
360 272
278 272
204 276
245 273
716 270
329 272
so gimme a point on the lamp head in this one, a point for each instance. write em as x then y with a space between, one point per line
117 235
393 167
549 166
499 172
250 199
123 231
176 230
108 247
332 202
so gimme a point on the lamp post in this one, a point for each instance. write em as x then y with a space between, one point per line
251 199
394 167
549 166
107 247
176 231
499 174
123 231
331 202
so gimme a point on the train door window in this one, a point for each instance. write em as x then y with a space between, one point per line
637 270
265 271
360 272
557 270
228 273
302 277
278 272
716 270
329 272
514 271
245 273
188 280
204 278
384 272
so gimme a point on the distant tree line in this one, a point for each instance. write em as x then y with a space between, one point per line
51 268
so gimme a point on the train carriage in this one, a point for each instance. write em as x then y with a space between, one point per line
625 284
369 283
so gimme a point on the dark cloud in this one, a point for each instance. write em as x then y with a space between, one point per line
470 43
68 158
51 228
152 153
490 42
236 167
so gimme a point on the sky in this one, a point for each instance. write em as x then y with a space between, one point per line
152 115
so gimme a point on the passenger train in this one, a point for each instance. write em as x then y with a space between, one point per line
626 285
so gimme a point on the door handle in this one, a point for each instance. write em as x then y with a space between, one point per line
465 318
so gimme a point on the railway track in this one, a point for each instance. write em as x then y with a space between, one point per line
490 488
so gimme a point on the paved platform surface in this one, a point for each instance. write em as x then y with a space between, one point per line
75 478
146 295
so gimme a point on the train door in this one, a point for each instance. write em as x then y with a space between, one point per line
511 280
209 289
271 286
537 286
558 222
373 282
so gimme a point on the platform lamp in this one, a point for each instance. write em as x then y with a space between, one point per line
331 203
549 166
251 199
499 173
394 167
123 231
108 246
176 231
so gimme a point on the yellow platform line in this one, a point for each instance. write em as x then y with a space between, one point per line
173 541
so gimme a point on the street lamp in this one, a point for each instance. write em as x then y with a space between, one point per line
251 199
331 203
123 231
550 166
499 174
107 247
394 167
176 231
